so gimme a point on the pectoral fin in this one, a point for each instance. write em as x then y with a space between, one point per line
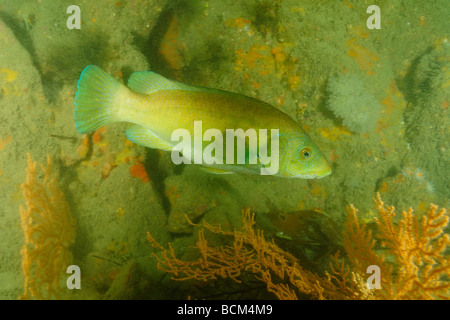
147 138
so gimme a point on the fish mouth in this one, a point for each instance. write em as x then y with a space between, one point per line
311 176
324 174
324 170
316 175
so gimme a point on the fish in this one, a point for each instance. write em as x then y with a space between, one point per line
157 106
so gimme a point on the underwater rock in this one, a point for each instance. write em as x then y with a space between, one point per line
429 75
310 235
107 35
131 283
350 100
188 197
427 119
116 220
408 188
25 127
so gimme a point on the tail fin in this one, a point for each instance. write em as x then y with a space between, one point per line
95 100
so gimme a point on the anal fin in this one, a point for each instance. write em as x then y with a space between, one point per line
144 137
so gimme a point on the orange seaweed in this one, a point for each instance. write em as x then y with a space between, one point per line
238 23
83 148
170 49
4 142
336 132
138 171
362 56
97 137
107 167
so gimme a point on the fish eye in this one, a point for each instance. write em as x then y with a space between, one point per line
305 153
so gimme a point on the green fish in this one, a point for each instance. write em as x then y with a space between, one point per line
158 106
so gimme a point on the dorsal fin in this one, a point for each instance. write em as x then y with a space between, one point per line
148 82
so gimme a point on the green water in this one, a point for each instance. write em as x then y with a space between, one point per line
374 100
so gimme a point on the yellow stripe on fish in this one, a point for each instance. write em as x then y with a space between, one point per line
158 106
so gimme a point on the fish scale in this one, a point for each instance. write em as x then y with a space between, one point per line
158 106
